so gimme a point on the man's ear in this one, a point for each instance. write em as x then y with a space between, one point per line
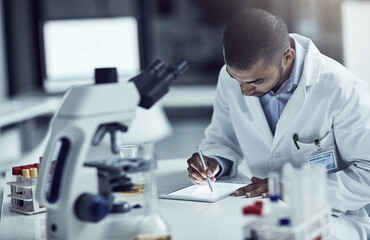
289 56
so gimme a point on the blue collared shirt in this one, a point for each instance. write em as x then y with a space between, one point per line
273 103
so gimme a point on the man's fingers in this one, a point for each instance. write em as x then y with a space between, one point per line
195 162
243 190
197 181
253 190
262 189
213 167
265 195
195 174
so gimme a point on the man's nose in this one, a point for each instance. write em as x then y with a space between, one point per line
247 90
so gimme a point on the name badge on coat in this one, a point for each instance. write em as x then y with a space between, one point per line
320 155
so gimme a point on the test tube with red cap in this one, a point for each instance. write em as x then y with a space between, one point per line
17 173
17 177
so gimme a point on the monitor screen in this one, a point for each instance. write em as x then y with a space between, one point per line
74 48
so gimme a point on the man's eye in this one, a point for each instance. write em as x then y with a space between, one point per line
259 81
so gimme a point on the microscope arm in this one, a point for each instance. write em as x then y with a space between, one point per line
110 128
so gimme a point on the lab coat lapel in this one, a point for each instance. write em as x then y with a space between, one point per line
259 117
310 75
291 110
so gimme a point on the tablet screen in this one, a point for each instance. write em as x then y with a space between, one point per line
203 192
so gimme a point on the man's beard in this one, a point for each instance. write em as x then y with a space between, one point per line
278 80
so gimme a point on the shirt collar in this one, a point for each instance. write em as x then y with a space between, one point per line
292 82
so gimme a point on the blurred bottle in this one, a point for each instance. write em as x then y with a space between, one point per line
152 226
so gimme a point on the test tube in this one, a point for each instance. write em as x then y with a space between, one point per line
17 176
27 182
17 173
292 192
287 182
33 172
306 192
321 199
26 173
274 186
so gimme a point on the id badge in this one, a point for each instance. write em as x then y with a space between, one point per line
323 156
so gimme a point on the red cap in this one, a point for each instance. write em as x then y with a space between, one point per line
259 204
252 210
24 166
255 209
16 171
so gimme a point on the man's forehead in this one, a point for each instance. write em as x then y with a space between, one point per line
258 70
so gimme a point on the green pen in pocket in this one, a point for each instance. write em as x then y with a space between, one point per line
295 139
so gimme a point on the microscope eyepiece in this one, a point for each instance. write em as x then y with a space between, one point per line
179 68
157 66
153 85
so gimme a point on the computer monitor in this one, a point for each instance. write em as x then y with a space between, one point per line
73 48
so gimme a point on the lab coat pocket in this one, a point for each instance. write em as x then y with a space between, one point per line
328 140
309 146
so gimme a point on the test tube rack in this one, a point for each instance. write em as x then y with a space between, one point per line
299 217
317 225
23 199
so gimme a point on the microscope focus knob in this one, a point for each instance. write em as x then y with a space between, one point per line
91 208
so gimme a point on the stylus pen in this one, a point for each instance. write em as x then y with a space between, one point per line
204 166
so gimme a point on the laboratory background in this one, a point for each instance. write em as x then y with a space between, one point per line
47 46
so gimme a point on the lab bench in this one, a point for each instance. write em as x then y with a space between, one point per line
186 219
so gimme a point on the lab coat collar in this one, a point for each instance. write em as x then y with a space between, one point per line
310 76
312 62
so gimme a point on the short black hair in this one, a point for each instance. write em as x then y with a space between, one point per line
253 35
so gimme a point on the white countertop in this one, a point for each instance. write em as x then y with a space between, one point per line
187 219
27 107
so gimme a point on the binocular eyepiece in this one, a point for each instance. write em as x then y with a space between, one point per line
153 83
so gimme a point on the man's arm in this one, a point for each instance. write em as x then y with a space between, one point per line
220 146
349 189
220 140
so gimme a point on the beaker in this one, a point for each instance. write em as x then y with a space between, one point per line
128 151
138 179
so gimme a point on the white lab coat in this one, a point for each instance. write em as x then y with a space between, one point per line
329 104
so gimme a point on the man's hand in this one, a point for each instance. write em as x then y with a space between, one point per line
258 187
197 174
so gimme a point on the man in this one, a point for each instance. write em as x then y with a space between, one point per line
277 91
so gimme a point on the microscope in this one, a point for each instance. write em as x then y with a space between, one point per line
77 192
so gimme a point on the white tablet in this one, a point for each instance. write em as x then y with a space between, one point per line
202 193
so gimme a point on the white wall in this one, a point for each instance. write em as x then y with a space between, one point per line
356 37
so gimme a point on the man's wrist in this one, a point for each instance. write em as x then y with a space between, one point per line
225 166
